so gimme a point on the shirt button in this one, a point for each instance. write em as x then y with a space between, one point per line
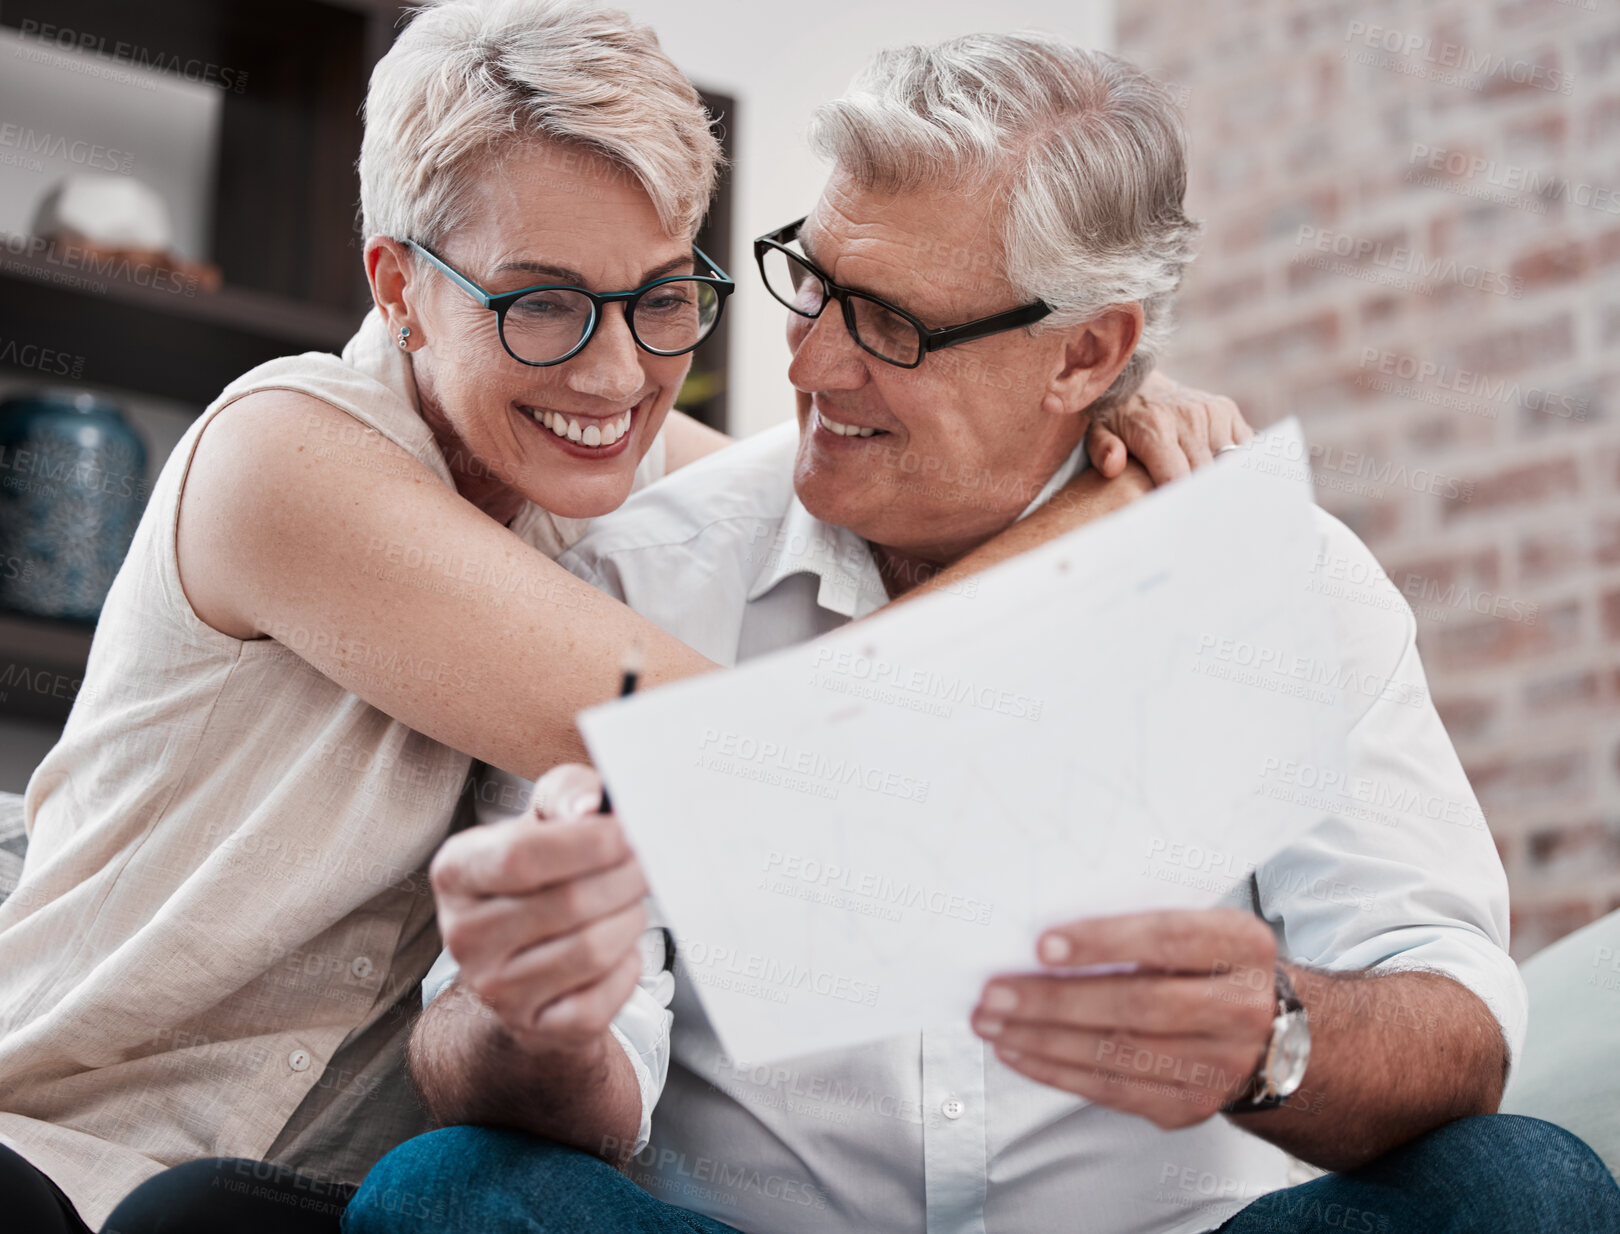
361 967
298 1060
953 1108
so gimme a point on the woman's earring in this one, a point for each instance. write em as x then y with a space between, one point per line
405 338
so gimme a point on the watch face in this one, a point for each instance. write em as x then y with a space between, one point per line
1292 1052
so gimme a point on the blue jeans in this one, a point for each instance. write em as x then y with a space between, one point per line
1502 1174
484 1181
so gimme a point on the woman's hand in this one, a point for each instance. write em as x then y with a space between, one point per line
1168 427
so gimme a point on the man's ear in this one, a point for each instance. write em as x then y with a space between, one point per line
389 271
1094 354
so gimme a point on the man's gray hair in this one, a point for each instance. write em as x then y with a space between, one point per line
1087 150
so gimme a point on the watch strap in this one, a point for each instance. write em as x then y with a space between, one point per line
1254 1096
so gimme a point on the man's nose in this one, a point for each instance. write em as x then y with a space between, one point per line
825 356
610 366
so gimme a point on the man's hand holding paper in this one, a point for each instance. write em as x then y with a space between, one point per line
1174 1039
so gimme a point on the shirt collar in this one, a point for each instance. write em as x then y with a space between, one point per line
850 583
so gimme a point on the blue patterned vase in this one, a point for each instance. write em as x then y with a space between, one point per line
72 487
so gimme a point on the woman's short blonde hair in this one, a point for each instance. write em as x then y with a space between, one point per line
468 81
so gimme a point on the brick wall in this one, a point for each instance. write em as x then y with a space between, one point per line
1413 243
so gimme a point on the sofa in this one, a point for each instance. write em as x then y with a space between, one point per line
1569 1073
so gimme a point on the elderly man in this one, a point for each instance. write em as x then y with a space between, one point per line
989 265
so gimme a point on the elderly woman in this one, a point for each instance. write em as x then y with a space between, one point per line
343 592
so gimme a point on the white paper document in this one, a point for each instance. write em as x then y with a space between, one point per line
850 836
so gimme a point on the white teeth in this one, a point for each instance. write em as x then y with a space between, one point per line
597 435
843 430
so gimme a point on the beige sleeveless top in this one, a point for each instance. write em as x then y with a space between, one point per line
224 913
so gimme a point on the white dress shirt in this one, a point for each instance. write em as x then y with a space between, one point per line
930 1132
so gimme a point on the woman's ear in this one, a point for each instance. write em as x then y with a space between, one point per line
388 270
1095 352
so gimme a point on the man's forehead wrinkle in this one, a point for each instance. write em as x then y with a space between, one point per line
860 249
877 261
883 244
883 268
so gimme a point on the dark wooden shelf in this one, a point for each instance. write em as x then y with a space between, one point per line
159 342
253 312
285 185
282 200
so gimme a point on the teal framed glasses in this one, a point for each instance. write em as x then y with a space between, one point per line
553 322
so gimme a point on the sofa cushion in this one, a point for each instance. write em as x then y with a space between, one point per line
13 842
1567 1073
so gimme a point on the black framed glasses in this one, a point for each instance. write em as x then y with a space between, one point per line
883 329
547 324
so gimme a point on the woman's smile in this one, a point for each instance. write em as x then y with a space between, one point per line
584 435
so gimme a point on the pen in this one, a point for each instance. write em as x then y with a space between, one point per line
630 670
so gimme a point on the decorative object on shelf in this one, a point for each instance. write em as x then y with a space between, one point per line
123 224
116 211
72 488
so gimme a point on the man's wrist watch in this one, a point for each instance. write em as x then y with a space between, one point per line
1282 1069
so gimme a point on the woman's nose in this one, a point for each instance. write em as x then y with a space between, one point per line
610 366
